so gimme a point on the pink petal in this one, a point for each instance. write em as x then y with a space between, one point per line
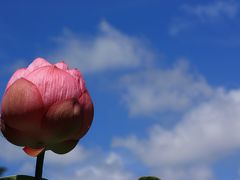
54 84
88 113
17 75
78 77
37 63
62 120
22 107
62 65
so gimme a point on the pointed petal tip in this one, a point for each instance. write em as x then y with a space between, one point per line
37 63
33 152
40 60
62 65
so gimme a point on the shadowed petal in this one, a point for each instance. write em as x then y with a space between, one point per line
22 106
88 112
63 147
20 138
62 120
54 84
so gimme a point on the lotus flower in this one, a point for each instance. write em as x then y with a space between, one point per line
46 107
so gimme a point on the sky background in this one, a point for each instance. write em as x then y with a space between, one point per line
163 76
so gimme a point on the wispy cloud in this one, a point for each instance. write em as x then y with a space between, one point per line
155 90
178 25
110 49
212 12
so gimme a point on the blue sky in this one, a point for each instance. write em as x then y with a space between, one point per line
164 78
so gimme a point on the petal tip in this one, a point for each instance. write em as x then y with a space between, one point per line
62 65
32 152
37 63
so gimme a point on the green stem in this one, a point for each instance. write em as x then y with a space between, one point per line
39 165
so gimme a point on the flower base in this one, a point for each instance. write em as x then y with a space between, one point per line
20 177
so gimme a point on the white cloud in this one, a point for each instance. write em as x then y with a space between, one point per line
192 173
205 133
204 13
88 164
160 90
213 10
110 49
178 25
108 167
78 154
108 171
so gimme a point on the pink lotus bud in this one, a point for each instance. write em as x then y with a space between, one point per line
46 107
